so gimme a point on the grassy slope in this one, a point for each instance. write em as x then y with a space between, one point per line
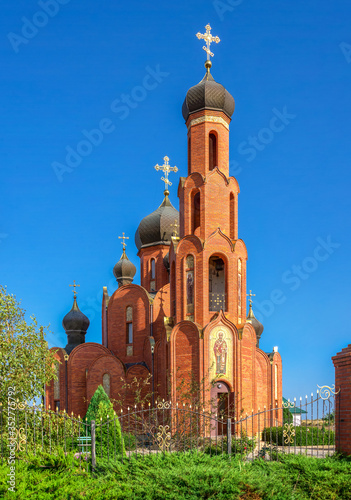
188 476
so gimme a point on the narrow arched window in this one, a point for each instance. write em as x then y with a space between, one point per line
57 387
212 146
173 290
190 284
106 383
196 210
129 324
189 156
231 210
152 275
217 284
239 290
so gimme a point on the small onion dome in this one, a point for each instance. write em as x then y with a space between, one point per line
158 227
75 324
208 94
75 320
255 323
124 270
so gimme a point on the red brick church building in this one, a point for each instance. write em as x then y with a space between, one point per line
187 320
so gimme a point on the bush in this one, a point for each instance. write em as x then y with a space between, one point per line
304 436
240 445
109 440
99 396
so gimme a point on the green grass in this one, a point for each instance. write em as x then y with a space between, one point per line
185 476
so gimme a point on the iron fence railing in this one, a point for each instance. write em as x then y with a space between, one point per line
303 426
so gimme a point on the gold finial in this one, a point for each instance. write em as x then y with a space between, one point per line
123 242
166 169
74 289
251 295
208 39
176 226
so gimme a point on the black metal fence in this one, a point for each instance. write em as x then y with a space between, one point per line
303 426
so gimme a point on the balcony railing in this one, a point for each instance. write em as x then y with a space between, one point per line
217 301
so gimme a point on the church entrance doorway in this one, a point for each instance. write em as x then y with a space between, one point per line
220 396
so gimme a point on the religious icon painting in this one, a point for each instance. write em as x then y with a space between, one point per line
221 353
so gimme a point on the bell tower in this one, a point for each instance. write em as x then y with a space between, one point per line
208 209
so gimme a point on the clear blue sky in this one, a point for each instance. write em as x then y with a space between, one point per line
69 74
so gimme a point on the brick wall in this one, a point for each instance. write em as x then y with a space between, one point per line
342 364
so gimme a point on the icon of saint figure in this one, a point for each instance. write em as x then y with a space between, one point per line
220 349
190 288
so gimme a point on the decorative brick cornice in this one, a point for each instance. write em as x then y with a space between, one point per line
210 119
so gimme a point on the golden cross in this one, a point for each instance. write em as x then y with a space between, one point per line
208 39
123 242
74 289
166 169
251 295
175 225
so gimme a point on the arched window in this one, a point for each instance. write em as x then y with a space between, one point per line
239 290
212 151
152 275
57 387
189 280
189 156
173 290
106 383
217 284
129 324
231 210
196 210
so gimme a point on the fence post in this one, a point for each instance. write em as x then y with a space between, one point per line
229 436
93 454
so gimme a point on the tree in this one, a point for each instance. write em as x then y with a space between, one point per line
26 364
99 396
108 432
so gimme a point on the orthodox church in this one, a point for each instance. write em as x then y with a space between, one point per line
186 323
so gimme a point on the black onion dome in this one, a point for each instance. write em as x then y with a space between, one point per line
124 270
158 227
75 320
258 327
208 94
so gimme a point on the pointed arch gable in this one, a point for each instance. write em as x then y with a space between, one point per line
213 174
220 319
218 236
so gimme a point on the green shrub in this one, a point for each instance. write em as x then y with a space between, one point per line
109 440
240 445
299 436
99 396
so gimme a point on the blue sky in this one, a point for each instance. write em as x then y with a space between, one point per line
71 73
